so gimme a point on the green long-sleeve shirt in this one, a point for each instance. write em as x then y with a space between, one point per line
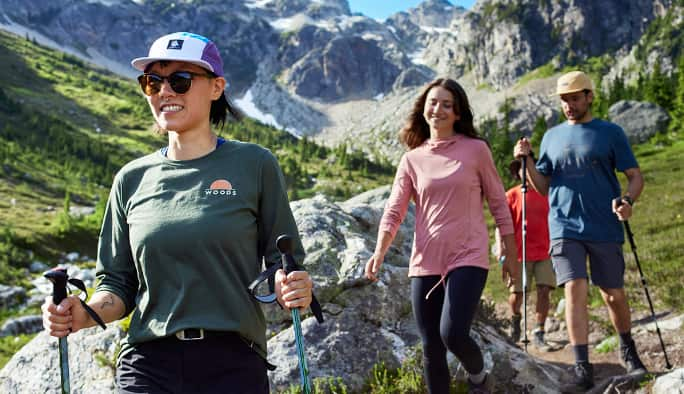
182 240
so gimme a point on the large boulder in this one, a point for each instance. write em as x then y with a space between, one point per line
640 120
35 368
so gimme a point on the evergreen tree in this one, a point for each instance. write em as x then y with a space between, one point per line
618 91
677 113
658 88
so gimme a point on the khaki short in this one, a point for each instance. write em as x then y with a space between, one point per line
540 271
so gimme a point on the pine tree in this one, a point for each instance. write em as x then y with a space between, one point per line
677 113
618 91
659 88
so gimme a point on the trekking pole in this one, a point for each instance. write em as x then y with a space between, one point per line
284 245
630 236
59 278
523 188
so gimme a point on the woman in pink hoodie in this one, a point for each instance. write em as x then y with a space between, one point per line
448 171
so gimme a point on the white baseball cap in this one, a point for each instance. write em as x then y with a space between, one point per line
183 47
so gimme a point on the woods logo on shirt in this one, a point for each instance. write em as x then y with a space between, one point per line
220 187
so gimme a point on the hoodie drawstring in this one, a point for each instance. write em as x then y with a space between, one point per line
441 281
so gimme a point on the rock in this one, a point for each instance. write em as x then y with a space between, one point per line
11 296
640 120
412 76
435 13
38 266
552 324
347 67
560 308
672 324
35 368
670 383
79 211
72 257
22 325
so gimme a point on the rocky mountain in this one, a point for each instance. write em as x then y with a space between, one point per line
316 69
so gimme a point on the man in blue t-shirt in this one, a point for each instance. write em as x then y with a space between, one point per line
576 168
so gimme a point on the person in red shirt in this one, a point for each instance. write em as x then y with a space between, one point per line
538 263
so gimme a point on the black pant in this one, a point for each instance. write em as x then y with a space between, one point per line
222 363
444 323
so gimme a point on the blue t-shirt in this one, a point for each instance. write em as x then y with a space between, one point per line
581 160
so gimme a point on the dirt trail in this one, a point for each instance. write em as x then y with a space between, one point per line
607 365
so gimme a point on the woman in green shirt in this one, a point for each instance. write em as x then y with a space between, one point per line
186 229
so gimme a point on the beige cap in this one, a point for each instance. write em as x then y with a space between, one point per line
574 81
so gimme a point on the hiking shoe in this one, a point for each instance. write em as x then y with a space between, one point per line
583 378
481 388
515 327
538 340
633 363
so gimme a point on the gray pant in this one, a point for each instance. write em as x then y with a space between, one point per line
606 262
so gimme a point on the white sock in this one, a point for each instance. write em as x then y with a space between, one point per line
479 377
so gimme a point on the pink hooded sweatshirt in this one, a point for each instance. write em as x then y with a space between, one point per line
448 178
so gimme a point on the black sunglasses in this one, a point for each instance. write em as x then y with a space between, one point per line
180 81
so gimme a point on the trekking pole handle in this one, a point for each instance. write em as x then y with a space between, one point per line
58 277
619 202
523 162
284 245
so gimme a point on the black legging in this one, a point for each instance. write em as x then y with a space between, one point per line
444 323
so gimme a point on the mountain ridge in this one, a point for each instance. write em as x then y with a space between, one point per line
299 57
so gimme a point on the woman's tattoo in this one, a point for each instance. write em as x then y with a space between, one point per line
107 301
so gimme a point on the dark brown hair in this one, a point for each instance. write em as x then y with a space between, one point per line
221 108
416 130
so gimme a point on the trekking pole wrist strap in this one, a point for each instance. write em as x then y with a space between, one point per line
81 286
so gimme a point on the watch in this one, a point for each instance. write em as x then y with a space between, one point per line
628 200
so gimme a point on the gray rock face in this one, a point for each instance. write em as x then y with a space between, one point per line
347 67
640 120
670 383
501 40
435 13
35 368
11 296
22 325
316 9
302 56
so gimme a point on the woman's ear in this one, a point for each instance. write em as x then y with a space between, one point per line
218 87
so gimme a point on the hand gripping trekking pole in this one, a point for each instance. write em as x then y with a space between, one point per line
58 277
284 244
630 236
523 188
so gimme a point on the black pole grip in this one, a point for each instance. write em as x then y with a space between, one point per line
284 245
58 277
523 162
